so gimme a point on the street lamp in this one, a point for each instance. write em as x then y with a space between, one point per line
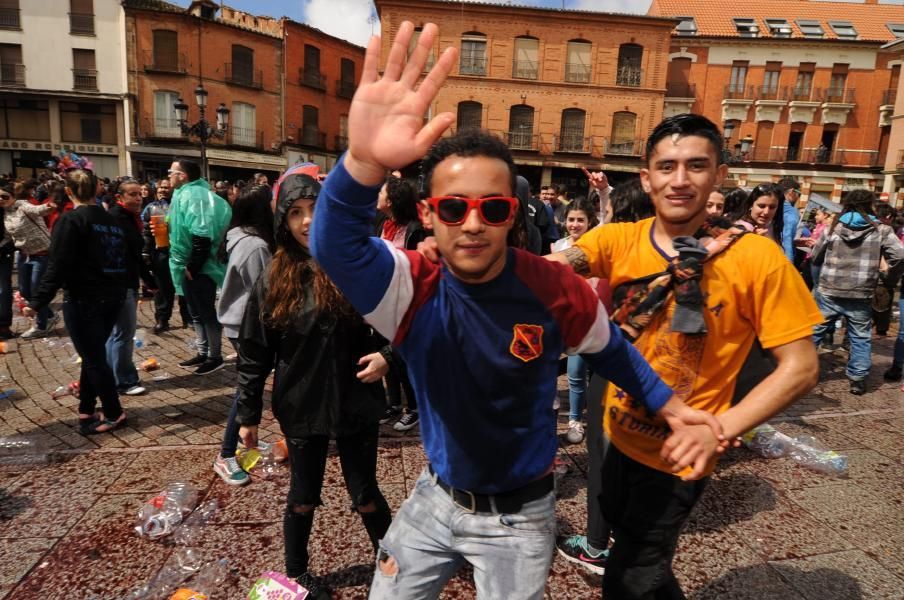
746 143
727 130
202 129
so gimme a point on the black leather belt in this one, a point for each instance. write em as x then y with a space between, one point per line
505 502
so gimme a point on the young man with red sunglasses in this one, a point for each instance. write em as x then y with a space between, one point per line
481 333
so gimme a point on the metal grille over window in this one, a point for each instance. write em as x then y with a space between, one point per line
521 128
629 59
571 135
469 115
622 139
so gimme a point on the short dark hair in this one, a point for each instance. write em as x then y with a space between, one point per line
685 125
788 183
859 201
467 143
734 202
191 169
884 211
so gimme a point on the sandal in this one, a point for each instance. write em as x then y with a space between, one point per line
105 426
86 423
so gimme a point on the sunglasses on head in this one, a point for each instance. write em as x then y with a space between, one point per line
493 210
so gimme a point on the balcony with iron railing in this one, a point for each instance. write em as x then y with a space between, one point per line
84 79
739 91
771 92
9 18
312 78
164 62
473 64
802 94
525 69
629 76
157 128
345 89
81 24
522 140
623 148
12 75
574 142
341 143
837 95
244 76
889 97
676 89
246 137
312 136
577 73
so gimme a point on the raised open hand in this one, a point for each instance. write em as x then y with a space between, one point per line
386 127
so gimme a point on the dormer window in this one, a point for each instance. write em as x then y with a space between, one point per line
897 29
779 28
810 28
747 27
844 29
687 26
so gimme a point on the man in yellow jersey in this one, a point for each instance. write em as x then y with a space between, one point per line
697 341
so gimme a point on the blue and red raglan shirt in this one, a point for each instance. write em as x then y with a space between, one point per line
482 358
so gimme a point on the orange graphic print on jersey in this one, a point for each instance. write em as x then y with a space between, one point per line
527 342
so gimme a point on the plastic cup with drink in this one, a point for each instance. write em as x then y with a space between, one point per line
159 226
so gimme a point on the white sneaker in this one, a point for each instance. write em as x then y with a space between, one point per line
575 433
135 390
34 333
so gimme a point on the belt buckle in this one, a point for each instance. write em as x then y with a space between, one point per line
473 508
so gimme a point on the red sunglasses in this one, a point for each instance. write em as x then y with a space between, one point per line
493 210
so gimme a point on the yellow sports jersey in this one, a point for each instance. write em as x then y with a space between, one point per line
751 291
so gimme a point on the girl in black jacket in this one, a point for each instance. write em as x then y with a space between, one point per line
298 323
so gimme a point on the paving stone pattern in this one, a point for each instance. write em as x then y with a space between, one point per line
764 529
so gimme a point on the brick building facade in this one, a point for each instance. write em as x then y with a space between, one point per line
566 89
321 76
801 87
236 57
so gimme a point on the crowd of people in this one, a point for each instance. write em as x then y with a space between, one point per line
454 302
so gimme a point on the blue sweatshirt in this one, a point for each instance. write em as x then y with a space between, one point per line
482 358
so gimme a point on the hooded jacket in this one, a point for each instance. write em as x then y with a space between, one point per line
197 220
248 258
315 388
850 256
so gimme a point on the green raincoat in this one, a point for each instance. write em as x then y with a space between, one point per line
195 210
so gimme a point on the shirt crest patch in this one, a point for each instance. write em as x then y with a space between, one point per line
527 342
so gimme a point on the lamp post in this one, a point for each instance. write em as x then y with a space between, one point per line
726 136
202 129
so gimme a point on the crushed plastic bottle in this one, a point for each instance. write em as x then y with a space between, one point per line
190 531
806 450
60 392
267 466
162 513
162 376
141 339
7 393
18 450
248 458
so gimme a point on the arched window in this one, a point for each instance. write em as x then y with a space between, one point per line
526 59
577 65
521 127
473 60
470 115
622 139
571 134
629 61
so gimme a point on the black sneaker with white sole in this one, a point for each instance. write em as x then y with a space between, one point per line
209 366
407 421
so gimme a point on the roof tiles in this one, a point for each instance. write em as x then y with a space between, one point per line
716 19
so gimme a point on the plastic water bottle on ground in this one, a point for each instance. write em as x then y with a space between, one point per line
162 513
767 441
141 337
18 450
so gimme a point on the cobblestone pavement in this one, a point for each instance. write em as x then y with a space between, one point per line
764 529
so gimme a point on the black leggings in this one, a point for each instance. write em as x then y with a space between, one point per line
307 457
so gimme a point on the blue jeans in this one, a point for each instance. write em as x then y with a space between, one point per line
121 343
89 323
431 537
577 386
6 290
201 295
30 270
858 313
898 359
